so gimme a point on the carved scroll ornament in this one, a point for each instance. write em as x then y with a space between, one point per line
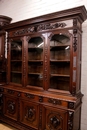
38 28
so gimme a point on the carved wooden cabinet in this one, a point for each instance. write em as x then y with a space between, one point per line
42 91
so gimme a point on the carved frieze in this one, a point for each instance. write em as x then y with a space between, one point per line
40 27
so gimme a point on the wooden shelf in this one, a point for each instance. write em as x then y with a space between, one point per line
16 60
53 60
35 60
35 48
35 73
60 75
18 72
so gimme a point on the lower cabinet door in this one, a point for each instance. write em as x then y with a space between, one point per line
55 119
29 113
11 107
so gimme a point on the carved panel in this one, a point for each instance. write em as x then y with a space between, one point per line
54 121
30 114
11 107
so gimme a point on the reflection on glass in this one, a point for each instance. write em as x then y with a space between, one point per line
16 61
60 62
35 62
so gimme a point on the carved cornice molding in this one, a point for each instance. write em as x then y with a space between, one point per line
4 20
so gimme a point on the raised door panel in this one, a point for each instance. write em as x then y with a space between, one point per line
11 107
29 114
56 119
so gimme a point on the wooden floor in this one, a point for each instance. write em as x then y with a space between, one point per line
6 127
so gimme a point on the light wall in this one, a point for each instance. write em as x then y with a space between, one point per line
24 9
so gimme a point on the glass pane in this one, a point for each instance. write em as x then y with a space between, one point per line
35 62
60 62
16 61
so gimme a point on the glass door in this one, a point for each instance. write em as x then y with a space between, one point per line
35 62
16 61
60 62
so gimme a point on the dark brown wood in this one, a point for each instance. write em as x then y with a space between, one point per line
42 90
4 20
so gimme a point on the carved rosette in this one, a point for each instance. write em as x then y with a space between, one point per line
54 121
71 105
30 114
11 107
70 121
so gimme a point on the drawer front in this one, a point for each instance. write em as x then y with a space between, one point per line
11 107
29 113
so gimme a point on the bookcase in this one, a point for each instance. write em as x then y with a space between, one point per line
43 84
